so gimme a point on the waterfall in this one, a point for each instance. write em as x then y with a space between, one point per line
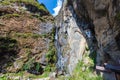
60 58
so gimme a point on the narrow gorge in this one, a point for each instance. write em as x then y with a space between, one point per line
81 43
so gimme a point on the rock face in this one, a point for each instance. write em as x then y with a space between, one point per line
32 6
89 22
105 17
26 37
71 38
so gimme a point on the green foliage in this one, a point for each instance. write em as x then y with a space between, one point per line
27 35
38 16
28 51
22 74
51 55
5 3
45 74
85 71
93 56
32 66
10 15
3 78
38 66
88 74
28 64
87 48
47 68
32 2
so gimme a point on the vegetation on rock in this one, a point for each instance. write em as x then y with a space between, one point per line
21 45
31 2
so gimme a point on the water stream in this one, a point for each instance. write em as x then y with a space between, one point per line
60 58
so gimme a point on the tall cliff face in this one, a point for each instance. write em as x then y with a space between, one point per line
26 39
74 35
89 22
105 17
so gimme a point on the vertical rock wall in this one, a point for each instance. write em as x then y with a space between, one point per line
81 21
71 36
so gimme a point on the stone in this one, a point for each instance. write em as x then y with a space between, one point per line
100 17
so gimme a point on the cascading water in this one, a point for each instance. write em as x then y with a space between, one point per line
60 59
68 53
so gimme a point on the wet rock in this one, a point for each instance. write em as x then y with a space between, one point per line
101 18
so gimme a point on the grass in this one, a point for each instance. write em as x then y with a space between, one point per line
84 72
84 69
32 2
38 17
27 35
28 62
22 74
10 16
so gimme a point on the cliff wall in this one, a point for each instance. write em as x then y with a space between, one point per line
92 23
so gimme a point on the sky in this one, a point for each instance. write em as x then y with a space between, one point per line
52 5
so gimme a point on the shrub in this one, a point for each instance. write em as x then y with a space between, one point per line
28 65
33 67
51 56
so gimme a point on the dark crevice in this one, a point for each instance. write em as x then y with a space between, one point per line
8 52
117 38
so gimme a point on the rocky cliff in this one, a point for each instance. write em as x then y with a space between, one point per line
85 34
93 24
26 40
